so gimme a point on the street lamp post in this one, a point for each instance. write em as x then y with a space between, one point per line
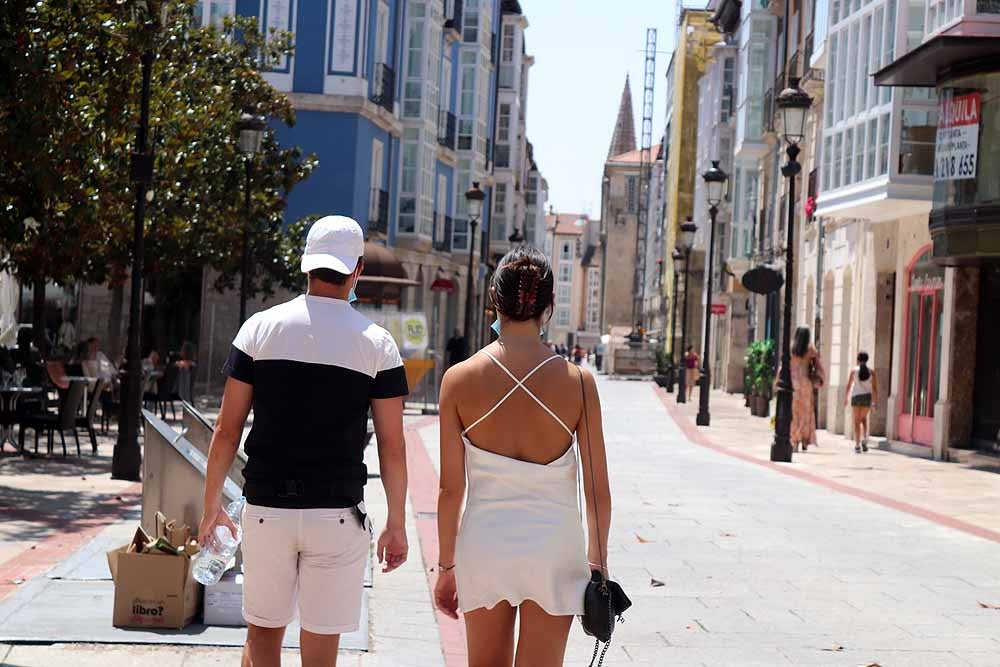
474 196
678 257
793 103
688 230
715 180
251 129
126 462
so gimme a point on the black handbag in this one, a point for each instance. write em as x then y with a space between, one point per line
604 601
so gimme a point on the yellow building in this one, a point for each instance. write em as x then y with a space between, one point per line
695 38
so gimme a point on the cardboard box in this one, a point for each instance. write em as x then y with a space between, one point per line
224 601
152 590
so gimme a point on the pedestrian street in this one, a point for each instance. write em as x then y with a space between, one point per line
732 563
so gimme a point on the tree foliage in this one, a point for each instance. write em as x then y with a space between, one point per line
69 104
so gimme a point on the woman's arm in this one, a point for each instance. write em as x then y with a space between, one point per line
820 371
451 493
596 488
847 392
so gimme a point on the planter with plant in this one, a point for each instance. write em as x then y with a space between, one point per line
663 369
761 367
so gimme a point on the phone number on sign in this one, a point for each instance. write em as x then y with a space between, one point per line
955 166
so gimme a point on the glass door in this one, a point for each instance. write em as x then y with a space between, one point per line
921 382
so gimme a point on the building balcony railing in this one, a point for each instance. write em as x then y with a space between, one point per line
455 20
446 129
378 212
442 241
384 86
502 158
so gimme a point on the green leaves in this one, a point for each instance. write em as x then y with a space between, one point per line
69 104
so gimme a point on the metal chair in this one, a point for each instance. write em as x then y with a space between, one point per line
62 421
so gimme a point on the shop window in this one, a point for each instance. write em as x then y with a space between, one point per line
983 186
918 131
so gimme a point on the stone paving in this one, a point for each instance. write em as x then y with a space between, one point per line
730 561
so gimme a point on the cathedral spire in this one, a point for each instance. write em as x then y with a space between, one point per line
623 140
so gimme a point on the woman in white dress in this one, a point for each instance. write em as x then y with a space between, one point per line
510 417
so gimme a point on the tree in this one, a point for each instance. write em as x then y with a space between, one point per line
68 103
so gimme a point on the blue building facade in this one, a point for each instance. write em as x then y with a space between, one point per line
398 100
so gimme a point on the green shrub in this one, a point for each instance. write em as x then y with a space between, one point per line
761 365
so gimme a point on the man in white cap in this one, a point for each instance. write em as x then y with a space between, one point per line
311 368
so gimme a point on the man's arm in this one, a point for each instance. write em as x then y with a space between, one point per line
387 413
236 402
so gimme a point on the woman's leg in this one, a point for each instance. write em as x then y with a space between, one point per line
541 640
863 426
490 636
856 419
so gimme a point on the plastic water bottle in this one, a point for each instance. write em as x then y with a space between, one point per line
213 560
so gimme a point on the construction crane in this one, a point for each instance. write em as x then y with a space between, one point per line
645 172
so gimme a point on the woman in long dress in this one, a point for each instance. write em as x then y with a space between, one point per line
510 416
807 375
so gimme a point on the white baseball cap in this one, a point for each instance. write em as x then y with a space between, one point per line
334 242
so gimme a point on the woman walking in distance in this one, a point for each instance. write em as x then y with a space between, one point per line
807 374
509 418
691 373
862 387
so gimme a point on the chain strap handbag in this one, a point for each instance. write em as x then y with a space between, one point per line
603 600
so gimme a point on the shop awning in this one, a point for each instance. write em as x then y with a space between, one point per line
925 65
383 278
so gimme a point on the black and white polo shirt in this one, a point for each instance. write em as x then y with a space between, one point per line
315 363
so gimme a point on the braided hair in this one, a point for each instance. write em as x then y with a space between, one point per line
523 284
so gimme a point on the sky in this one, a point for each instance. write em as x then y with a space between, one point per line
583 49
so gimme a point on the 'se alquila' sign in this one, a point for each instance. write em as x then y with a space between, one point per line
957 145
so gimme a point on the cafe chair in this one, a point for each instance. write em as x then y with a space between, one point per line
63 420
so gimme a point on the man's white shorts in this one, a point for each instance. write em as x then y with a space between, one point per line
315 557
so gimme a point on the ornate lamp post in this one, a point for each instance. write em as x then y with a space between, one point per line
793 103
474 196
678 257
688 230
251 129
715 180
126 461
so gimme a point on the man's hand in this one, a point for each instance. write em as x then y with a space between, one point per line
214 516
446 595
392 548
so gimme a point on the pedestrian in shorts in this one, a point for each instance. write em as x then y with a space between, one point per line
311 369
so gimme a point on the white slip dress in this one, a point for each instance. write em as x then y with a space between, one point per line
521 536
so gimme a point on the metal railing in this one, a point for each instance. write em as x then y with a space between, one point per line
384 86
378 212
446 129
443 244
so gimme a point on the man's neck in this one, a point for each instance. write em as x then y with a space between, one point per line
329 291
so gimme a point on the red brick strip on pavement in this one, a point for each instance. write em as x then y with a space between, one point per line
696 435
46 554
423 498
